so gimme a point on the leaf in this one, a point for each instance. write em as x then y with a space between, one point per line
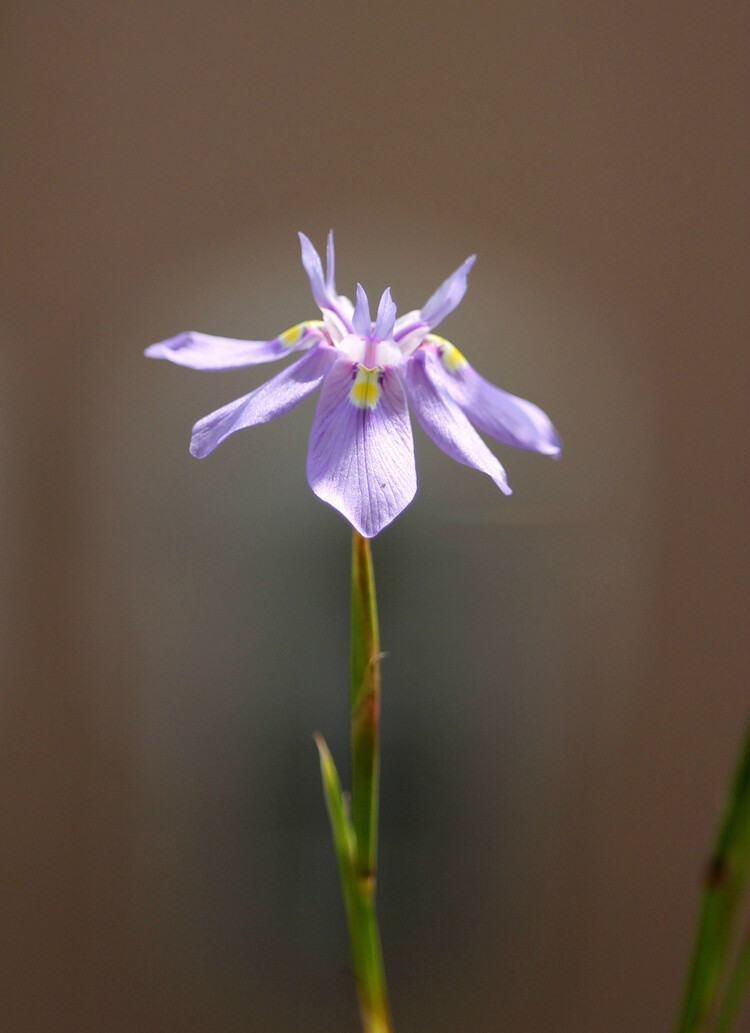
341 829
724 886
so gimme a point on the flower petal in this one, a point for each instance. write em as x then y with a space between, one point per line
443 420
361 453
314 269
502 416
443 301
323 288
330 264
448 295
201 351
386 317
361 317
274 398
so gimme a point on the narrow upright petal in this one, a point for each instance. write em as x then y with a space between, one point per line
274 398
314 269
361 453
201 351
444 422
323 287
448 295
502 416
330 265
411 328
386 317
361 317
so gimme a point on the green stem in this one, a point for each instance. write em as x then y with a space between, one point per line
725 883
736 988
355 832
365 706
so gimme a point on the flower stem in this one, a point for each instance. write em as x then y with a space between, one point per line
723 890
365 706
355 829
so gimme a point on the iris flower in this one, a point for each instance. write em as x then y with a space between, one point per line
361 453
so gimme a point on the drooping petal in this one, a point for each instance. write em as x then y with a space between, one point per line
444 422
272 399
201 351
361 317
502 416
386 317
361 453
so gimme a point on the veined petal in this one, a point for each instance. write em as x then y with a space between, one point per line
274 398
361 317
502 416
386 317
323 288
444 422
361 453
201 351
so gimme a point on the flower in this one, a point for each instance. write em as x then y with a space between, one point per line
361 454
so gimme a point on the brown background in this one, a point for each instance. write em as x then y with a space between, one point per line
568 671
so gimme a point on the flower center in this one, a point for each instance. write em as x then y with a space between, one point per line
370 353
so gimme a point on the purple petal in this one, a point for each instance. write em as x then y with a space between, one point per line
386 317
443 301
409 331
502 416
323 288
361 456
361 317
314 269
444 422
330 265
274 398
200 351
448 295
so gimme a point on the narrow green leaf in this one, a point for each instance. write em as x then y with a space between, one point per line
367 956
724 885
341 830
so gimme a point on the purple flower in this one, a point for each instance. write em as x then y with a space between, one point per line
361 454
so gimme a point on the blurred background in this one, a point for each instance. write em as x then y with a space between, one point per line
567 676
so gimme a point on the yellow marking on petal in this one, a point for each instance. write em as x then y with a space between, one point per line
453 360
294 334
365 390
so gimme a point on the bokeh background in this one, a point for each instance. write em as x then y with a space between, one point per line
568 669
